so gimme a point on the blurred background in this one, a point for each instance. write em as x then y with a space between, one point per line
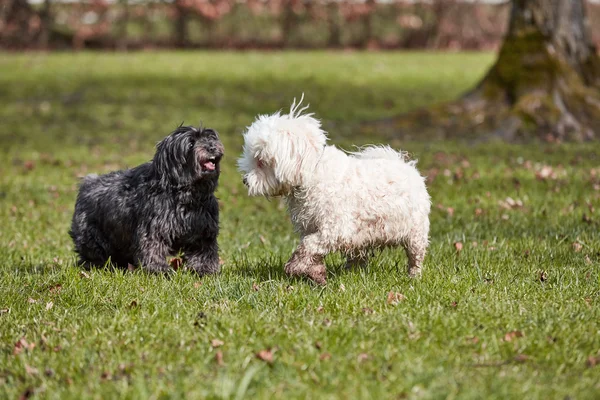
259 24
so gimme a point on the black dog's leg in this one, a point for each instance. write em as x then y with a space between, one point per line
204 260
152 255
89 245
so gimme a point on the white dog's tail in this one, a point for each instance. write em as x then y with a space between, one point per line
381 152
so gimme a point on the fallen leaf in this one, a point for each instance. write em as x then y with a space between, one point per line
130 267
367 310
265 355
318 345
49 305
29 165
342 287
289 288
542 276
263 239
510 336
216 343
473 339
133 304
176 263
255 287
55 289
197 284
31 370
325 357
593 361
84 274
363 357
4 311
326 322
31 301
577 247
22 344
27 394
222 262
219 358
458 246
394 298
320 309
454 304
521 358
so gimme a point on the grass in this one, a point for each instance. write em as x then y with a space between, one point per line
514 314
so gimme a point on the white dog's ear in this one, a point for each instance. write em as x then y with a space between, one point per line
297 152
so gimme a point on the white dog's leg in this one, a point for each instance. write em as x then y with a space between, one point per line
360 261
307 260
415 247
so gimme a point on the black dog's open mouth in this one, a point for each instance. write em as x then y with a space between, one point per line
211 164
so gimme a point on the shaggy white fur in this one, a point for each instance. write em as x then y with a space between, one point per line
338 201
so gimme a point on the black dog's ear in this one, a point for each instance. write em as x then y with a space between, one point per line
166 162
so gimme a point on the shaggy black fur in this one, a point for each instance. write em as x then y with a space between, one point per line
142 215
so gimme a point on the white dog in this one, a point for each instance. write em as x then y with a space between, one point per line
347 202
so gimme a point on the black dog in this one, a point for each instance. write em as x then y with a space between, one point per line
142 215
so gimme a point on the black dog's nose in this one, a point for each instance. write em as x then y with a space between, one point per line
245 180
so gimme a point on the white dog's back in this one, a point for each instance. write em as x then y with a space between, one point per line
381 152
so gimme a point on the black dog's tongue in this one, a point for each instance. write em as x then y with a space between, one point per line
209 166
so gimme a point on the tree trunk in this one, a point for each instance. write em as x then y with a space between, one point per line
181 32
122 41
546 81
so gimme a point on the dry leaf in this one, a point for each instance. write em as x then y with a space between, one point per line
133 304
130 267
255 287
342 287
363 357
197 284
55 289
510 336
473 339
4 311
394 298
49 305
22 344
318 345
31 370
542 276
458 246
219 358
325 357
84 274
521 358
265 355
593 361
367 310
216 343
577 247
29 392
176 263
31 301
320 309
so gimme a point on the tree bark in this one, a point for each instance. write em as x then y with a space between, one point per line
546 79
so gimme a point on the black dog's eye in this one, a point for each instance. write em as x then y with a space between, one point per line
209 132
191 144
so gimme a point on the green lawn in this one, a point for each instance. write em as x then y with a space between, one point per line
513 314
